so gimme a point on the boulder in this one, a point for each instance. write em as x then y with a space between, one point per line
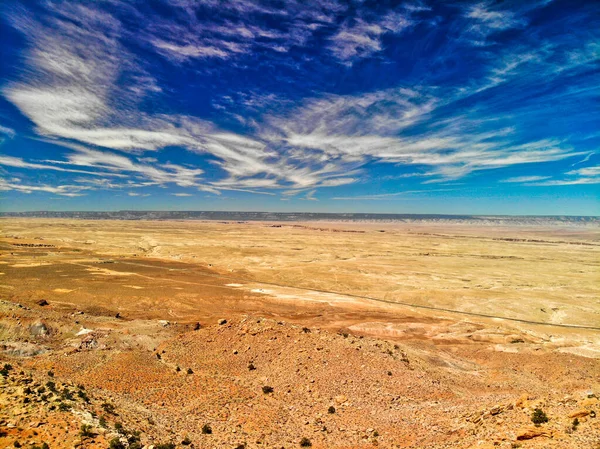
531 432
579 413
38 329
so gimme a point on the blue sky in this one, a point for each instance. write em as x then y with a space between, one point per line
356 106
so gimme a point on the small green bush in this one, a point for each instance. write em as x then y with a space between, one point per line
164 446
115 443
539 417
206 429
305 442
86 430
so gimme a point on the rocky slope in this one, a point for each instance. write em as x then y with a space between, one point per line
251 382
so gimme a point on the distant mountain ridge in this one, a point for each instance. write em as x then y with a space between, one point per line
312 216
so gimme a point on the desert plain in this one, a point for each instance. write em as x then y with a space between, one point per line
298 334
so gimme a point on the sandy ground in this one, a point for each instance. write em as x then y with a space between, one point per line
497 305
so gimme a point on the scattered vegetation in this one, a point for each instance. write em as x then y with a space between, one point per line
331 410
164 446
119 428
266 389
206 429
83 395
575 424
251 366
102 422
43 446
108 408
86 431
306 330
115 443
64 407
305 442
189 371
539 417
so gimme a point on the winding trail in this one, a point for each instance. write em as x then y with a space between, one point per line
363 297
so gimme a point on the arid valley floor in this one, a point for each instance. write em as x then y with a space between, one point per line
391 335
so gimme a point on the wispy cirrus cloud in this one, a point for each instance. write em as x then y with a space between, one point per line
522 179
587 175
362 38
63 190
89 85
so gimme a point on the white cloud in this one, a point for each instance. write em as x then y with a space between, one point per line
182 194
16 162
63 190
522 179
361 38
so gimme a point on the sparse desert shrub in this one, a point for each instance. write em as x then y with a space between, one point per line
16 444
375 434
51 373
7 367
206 429
115 443
539 417
305 442
186 441
67 394
164 446
135 445
119 428
64 407
189 371
45 446
251 366
86 430
266 389
133 437
51 386
331 410
102 422
177 368
575 424
306 330
83 395
108 408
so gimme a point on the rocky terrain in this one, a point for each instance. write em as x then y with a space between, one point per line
109 340
259 382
